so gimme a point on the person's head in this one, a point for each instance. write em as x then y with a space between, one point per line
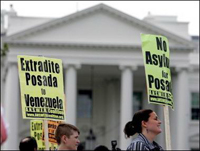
28 143
67 135
101 148
81 147
143 121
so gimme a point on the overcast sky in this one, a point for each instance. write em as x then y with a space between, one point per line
186 11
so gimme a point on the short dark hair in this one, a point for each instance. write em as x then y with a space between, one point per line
101 148
65 129
135 126
28 144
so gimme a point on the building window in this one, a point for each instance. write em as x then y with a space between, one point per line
195 106
137 101
84 104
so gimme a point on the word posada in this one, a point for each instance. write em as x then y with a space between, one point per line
47 66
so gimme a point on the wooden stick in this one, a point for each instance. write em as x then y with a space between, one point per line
167 128
46 134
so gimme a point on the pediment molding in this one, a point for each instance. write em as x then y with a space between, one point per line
89 45
107 9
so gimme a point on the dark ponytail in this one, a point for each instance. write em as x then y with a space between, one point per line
135 126
129 129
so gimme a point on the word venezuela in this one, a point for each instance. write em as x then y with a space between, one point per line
48 66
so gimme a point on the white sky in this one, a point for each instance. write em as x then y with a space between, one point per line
186 11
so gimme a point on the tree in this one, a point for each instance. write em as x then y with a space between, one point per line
4 50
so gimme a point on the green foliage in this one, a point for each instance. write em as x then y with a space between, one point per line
4 51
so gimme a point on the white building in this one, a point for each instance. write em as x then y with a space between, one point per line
104 73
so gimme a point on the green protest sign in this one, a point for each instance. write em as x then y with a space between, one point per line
156 56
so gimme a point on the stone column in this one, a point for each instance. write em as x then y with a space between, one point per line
3 77
126 106
11 107
182 110
71 92
161 137
173 114
111 111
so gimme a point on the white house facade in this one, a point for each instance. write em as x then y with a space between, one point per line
104 73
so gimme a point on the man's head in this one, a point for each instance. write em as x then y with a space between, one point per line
101 148
28 143
66 136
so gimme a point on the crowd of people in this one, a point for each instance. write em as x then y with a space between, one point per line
145 124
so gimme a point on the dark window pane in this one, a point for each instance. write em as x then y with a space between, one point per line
137 101
84 104
195 106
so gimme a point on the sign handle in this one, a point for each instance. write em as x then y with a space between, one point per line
46 134
167 128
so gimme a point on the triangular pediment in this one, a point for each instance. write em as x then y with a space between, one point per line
100 24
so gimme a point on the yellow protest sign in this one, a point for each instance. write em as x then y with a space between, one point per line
156 56
36 130
52 125
53 146
42 91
